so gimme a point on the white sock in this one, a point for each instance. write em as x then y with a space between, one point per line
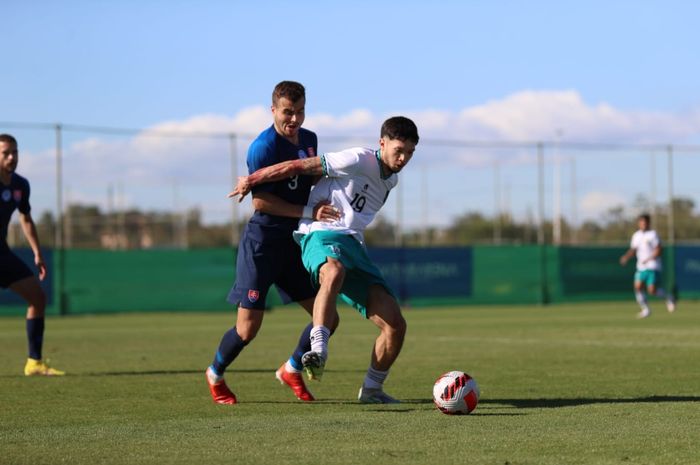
213 377
290 369
374 379
641 300
319 340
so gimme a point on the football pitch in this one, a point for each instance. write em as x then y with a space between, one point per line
566 384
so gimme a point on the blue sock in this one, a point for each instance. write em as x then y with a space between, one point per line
35 337
303 347
229 348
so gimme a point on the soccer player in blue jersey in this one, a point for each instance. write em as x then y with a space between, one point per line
14 274
267 253
357 183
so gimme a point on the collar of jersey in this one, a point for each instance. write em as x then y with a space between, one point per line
12 175
377 153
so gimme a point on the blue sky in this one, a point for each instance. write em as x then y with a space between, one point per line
622 71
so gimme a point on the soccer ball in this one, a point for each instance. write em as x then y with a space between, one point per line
455 393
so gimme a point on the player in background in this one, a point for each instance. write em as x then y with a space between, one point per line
14 274
647 247
267 253
357 182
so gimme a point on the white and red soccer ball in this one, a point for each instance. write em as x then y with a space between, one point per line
456 393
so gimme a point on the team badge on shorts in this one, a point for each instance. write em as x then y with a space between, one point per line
253 295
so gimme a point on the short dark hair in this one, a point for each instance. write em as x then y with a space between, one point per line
646 217
292 90
8 139
401 128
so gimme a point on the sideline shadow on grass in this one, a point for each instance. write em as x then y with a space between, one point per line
575 402
178 372
72 374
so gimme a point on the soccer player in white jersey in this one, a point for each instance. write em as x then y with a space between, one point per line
357 183
646 245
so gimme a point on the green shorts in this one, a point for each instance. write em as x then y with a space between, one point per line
360 272
648 277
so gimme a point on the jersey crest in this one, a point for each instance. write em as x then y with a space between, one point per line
253 295
6 195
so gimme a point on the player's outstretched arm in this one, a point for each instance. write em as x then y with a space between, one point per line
308 166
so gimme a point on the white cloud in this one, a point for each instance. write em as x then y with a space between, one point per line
152 167
539 115
359 119
249 120
525 116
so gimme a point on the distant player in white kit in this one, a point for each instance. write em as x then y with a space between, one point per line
647 247
357 183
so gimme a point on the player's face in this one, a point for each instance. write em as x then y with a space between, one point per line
642 223
8 157
289 116
396 153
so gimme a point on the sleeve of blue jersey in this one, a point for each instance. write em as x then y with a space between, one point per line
260 155
24 207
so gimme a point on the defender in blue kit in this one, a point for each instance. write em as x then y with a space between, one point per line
267 252
14 274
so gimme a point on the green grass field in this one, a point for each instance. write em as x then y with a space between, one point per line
575 384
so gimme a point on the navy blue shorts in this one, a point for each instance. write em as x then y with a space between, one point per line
12 269
260 264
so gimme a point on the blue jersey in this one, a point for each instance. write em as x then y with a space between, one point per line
268 149
14 196
267 253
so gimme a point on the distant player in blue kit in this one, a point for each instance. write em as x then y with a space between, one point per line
267 253
14 274
356 182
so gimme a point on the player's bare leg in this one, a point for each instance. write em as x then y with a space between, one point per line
641 298
661 294
30 290
248 323
385 313
325 316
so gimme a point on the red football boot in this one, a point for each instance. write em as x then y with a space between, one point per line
220 392
296 382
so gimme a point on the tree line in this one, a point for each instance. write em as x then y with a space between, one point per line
86 226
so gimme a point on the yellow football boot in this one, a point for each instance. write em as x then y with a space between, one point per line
40 368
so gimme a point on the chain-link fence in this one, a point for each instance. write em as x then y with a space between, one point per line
117 188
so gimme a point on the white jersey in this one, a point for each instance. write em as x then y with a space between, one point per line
644 243
352 182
